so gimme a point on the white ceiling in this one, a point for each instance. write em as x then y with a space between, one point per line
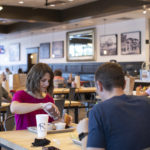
41 3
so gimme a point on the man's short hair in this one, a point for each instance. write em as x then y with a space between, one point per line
110 75
57 72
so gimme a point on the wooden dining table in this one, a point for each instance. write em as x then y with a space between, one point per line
23 139
77 90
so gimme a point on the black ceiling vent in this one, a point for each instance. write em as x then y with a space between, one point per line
56 2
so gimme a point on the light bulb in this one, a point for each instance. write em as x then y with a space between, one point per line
1 7
144 12
21 2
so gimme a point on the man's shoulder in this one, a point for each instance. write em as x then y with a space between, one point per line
121 100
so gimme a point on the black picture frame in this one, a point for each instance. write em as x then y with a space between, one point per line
57 49
14 52
131 43
108 45
44 51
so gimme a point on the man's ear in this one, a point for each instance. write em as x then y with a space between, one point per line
99 86
124 84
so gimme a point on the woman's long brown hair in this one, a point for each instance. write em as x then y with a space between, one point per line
35 75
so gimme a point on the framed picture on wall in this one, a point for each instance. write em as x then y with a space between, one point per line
2 49
58 49
108 45
131 43
14 52
44 51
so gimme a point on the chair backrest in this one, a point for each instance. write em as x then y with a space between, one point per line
71 96
9 123
59 102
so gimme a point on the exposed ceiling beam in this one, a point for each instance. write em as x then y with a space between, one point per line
25 26
30 14
100 8
4 29
37 17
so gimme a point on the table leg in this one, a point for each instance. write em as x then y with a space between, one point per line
76 114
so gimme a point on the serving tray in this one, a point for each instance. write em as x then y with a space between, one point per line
34 130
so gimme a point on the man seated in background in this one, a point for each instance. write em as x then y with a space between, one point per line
58 79
119 122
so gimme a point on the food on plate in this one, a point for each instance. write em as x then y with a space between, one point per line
67 119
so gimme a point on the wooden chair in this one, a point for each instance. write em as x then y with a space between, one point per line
9 123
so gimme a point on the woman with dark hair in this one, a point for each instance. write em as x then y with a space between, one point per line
38 96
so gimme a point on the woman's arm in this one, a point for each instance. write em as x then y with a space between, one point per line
23 108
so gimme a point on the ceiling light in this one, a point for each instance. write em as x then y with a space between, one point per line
21 2
70 0
144 12
1 7
52 5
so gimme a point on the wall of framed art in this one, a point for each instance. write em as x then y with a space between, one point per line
112 38
132 46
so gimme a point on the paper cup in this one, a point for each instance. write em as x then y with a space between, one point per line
42 122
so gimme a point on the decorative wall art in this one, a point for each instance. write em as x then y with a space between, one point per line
14 52
44 51
2 49
58 49
131 43
81 45
108 45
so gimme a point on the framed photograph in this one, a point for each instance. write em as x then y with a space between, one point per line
14 52
44 51
2 49
131 43
108 45
58 49
81 45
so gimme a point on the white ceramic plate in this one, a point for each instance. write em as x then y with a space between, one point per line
34 130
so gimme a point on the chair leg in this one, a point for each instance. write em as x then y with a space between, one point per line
67 111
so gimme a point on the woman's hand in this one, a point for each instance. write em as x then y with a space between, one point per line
52 110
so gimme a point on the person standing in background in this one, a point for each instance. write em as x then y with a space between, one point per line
8 71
